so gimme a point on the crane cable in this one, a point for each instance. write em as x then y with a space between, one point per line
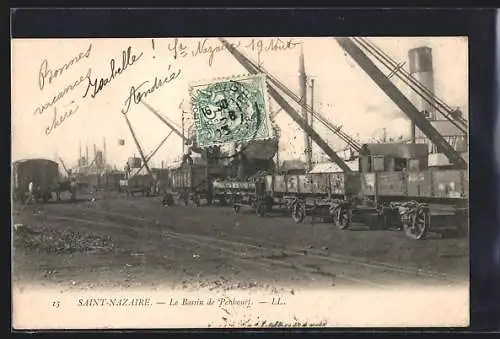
335 129
423 88
414 84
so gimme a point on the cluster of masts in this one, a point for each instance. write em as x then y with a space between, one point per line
92 164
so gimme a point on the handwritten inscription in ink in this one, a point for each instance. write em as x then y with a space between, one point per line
204 48
95 86
42 108
273 45
137 93
46 73
210 48
58 119
178 48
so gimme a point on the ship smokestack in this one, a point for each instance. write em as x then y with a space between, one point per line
421 68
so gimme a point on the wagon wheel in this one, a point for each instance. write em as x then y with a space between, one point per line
298 213
261 208
381 221
418 225
342 218
269 204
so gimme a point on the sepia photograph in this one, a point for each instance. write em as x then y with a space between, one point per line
240 182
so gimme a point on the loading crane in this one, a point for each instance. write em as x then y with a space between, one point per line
188 141
152 154
274 86
416 86
138 145
337 130
418 118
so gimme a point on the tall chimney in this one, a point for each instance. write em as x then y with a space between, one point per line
303 94
86 155
421 68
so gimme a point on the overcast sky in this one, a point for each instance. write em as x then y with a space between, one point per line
343 92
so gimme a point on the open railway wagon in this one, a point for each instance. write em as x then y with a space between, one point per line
414 201
43 173
397 186
192 183
161 180
249 194
394 188
110 181
141 183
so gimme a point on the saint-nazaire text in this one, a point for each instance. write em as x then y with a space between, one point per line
123 302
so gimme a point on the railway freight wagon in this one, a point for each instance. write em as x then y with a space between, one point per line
243 194
191 182
162 180
394 187
43 173
415 200
142 184
315 194
111 180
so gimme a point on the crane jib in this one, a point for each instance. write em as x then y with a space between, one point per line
401 101
289 109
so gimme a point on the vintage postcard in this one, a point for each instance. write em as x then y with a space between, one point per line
240 182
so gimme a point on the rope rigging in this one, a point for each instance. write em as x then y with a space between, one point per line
337 130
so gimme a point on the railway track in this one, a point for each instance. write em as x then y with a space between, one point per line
333 257
239 246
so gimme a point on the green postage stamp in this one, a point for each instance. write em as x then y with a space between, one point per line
230 110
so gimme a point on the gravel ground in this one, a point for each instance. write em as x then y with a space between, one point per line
136 243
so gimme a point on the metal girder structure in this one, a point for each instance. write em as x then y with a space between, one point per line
287 107
401 101
144 161
165 121
420 89
152 154
337 130
172 127
303 124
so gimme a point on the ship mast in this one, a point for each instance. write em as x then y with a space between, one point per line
305 113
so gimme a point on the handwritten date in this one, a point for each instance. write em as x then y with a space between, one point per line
95 86
274 45
137 93
210 48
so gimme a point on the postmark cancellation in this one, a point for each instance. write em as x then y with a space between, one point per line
231 110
